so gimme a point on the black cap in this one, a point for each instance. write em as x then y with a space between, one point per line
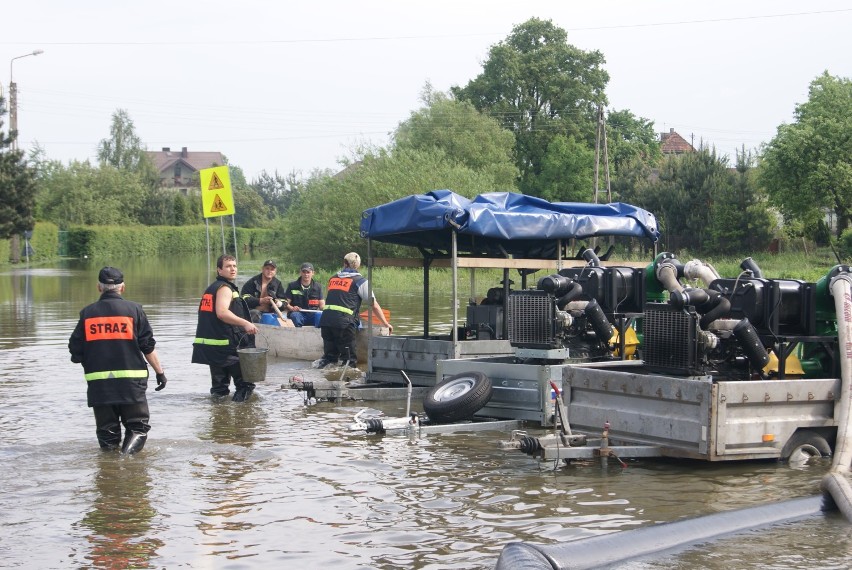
270 263
306 267
110 276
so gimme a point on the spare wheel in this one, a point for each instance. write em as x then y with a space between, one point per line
458 397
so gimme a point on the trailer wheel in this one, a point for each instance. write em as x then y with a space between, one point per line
458 397
803 446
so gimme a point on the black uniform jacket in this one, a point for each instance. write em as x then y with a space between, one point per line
110 339
216 341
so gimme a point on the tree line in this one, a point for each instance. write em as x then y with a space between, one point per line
530 122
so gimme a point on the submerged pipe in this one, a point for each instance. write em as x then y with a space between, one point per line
618 547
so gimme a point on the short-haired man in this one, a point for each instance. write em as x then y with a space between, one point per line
113 340
262 290
303 294
224 326
340 319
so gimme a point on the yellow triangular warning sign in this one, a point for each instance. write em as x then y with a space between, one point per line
218 204
215 183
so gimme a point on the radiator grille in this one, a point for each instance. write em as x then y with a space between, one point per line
531 319
670 338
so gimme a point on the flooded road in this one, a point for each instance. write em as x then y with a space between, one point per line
276 483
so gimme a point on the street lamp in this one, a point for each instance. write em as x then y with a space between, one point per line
13 99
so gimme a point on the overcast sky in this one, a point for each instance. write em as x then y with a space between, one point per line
286 86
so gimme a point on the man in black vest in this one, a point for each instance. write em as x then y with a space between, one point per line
303 294
223 326
339 321
113 340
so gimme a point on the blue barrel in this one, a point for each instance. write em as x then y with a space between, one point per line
269 319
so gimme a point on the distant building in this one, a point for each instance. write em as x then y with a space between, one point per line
179 170
673 143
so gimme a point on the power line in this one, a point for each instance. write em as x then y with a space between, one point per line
220 42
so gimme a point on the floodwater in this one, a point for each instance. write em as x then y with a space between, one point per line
277 483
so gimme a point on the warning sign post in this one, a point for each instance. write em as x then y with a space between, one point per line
216 196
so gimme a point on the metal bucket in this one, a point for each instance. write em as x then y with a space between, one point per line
253 364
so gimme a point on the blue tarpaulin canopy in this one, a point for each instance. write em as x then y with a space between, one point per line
499 223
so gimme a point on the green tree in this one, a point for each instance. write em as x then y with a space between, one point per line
123 149
83 194
538 86
336 203
807 166
249 209
567 172
277 192
740 219
630 138
464 134
17 189
686 192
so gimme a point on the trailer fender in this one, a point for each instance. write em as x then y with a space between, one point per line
458 397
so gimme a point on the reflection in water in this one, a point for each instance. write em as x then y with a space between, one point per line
230 493
120 519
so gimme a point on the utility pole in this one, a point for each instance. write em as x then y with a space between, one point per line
601 135
13 99
15 241
598 150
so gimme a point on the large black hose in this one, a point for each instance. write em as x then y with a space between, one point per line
751 345
618 547
708 302
573 292
600 324
748 264
717 307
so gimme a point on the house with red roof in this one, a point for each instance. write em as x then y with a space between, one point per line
673 143
179 170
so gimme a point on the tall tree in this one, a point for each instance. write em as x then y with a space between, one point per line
686 192
17 190
538 86
123 149
464 134
807 166
740 219
277 192
629 138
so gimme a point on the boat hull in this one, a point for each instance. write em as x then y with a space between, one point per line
305 343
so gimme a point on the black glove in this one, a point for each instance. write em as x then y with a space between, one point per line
161 381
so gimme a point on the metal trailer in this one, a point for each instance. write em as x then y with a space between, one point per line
626 410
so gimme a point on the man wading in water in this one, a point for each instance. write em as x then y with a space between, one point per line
223 326
113 341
